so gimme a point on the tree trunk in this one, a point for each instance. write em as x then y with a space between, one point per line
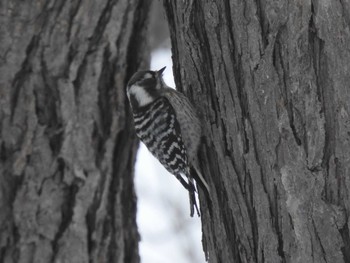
67 148
271 79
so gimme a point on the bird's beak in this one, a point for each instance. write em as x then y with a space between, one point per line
160 72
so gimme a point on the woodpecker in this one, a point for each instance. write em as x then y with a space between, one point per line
167 123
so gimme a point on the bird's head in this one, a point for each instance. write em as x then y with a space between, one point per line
144 87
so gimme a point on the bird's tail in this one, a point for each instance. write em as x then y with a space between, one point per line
192 196
193 175
196 174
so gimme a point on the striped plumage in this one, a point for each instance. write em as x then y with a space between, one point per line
167 124
158 129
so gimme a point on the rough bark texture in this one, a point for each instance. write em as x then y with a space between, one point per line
67 148
271 79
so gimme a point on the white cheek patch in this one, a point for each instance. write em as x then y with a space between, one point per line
142 96
147 76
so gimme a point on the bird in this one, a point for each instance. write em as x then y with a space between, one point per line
167 123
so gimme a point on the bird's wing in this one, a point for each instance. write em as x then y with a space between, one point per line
191 129
190 125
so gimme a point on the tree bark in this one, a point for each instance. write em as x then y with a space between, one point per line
67 148
271 79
